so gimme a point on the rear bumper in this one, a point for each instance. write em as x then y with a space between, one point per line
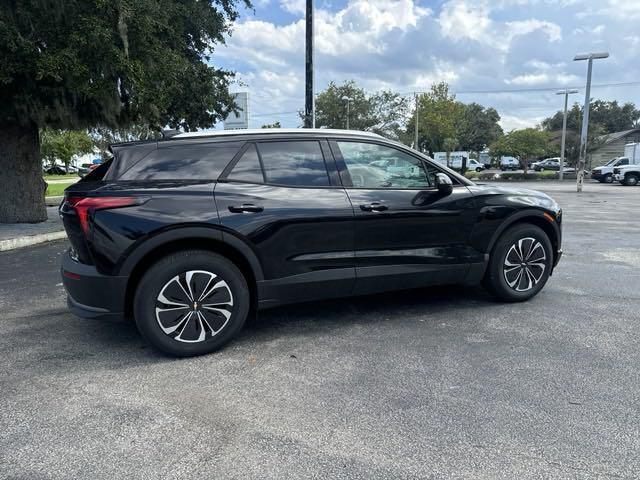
91 294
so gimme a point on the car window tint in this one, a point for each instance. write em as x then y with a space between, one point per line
624 162
188 162
248 168
294 163
378 166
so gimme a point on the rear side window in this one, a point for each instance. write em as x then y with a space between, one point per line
188 162
298 164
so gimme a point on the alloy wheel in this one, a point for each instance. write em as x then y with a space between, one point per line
194 306
525 264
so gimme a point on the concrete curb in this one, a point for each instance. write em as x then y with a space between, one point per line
28 240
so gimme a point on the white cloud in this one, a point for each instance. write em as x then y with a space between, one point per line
294 6
523 27
529 79
460 20
475 45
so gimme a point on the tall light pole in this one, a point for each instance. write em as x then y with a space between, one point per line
415 139
585 117
566 94
347 100
309 108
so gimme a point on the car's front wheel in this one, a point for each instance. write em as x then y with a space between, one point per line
608 178
520 263
191 303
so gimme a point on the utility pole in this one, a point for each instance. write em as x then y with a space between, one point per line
347 100
415 138
585 117
309 107
564 129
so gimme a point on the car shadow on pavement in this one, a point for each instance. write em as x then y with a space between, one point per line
84 344
428 303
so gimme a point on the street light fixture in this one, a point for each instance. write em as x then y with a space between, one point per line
566 94
347 100
585 117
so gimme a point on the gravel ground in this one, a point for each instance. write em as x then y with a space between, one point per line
434 383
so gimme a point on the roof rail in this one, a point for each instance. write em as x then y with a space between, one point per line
274 131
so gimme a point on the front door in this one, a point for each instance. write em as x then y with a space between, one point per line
292 212
407 234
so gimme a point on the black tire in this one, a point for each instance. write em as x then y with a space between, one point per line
495 280
608 178
478 169
630 179
160 280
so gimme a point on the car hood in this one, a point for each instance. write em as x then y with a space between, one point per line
516 195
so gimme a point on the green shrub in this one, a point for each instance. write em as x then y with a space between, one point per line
513 176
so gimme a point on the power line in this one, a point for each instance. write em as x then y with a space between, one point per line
497 91
536 89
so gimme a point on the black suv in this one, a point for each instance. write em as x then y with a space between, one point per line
189 234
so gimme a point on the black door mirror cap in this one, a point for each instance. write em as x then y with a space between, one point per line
444 184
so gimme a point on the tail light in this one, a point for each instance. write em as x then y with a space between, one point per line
86 206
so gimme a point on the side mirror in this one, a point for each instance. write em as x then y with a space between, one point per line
444 184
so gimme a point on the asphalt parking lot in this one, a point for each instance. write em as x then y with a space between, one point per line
434 383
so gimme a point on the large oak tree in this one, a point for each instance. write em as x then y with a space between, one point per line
70 64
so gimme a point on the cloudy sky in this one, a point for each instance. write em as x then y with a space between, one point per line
477 46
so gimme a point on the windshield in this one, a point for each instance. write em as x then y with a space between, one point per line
612 161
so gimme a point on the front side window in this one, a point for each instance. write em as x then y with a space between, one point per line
297 164
248 168
379 166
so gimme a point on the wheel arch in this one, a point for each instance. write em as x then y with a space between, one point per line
190 238
534 217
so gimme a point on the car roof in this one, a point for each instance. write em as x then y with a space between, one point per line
245 134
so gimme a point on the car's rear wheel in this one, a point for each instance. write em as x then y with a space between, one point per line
520 263
630 179
191 303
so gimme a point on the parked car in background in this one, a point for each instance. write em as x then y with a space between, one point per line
627 174
59 169
441 157
472 165
509 163
548 164
485 159
85 168
605 173
190 234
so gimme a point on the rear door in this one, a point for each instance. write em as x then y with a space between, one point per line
406 233
280 198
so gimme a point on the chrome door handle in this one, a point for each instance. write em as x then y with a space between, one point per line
246 208
374 207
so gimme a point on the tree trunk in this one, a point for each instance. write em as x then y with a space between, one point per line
21 185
